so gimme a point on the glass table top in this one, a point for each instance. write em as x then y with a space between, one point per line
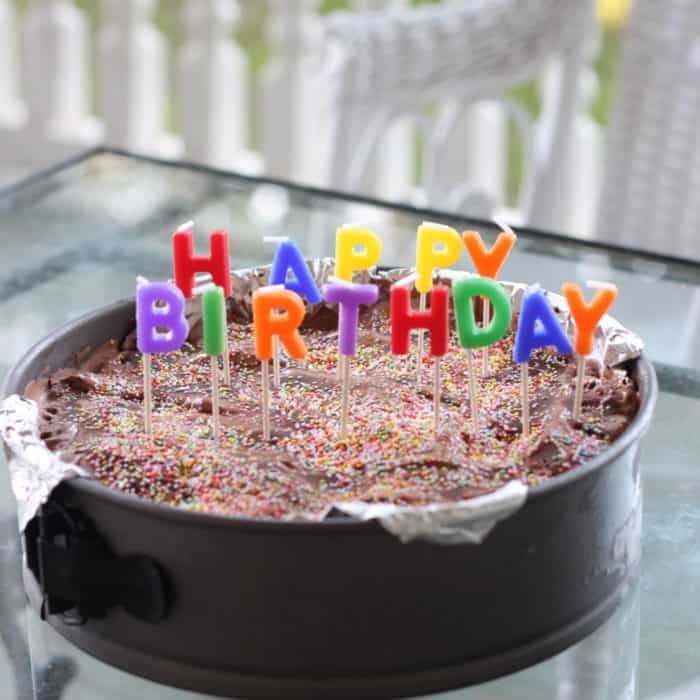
76 237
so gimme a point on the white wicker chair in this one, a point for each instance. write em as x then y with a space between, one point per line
651 187
389 65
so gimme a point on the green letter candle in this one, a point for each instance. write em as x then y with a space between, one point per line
470 335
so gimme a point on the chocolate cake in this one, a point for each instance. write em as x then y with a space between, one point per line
92 414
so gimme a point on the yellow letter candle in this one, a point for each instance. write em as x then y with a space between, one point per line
356 248
437 246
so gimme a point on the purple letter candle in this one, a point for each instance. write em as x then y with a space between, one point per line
349 297
149 318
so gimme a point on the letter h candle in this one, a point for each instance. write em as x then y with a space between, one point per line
435 319
186 264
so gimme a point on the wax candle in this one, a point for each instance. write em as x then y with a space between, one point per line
488 263
586 318
538 327
348 259
472 336
404 320
159 305
435 320
214 325
349 297
288 258
277 312
186 263
150 317
436 246
469 333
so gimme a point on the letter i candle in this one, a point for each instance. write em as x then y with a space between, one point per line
435 319
586 317
214 323
488 263
288 258
428 258
348 296
159 305
277 312
186 264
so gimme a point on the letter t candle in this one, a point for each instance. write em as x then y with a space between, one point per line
349 297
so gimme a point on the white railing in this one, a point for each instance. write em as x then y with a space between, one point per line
46 81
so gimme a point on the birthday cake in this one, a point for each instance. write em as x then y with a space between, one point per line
92 414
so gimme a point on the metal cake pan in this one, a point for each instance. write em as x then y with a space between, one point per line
340 608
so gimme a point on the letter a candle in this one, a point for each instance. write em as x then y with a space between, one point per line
159 305
538 327
288 258
214 323
349 297
586 317
277 312
470 335
356 248
488 263
428 258
404 320
186 264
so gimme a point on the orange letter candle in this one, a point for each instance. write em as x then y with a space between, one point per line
586 317
277 312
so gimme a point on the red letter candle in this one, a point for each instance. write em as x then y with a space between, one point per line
186 263
434 319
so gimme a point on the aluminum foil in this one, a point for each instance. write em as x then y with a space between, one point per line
35 470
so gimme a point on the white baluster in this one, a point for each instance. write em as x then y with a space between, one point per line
390 169
132 71
11 109
292 104
545 202
486 154
585 167
54 71
212 83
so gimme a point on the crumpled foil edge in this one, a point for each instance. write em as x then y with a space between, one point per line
35 470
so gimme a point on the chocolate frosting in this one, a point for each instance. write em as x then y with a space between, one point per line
92 414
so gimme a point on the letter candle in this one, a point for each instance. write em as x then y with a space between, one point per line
288 258
186 264
538 327
586 317
470 335
404 320
276 312
348 296
356 248
214 323
428 257
150 319
487 264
